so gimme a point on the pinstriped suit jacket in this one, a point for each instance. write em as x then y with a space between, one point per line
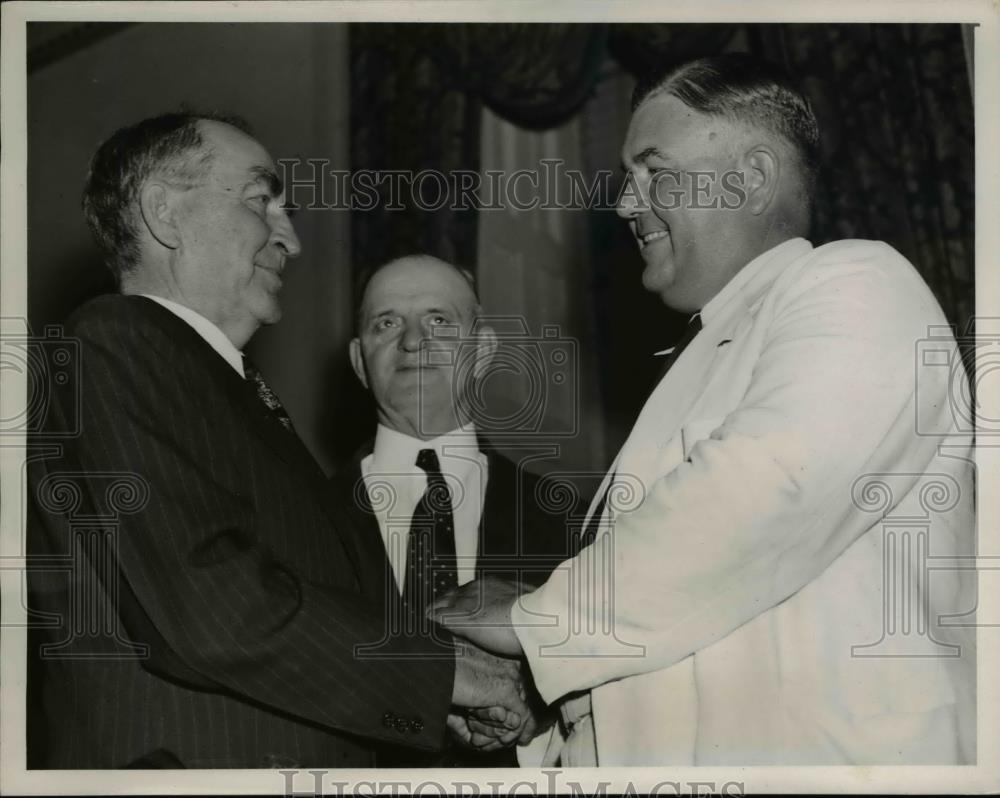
239 574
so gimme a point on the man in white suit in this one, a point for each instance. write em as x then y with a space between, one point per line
762 595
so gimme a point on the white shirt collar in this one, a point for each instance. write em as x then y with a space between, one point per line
395 450
213 336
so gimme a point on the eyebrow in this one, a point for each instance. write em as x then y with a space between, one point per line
261 174
655 152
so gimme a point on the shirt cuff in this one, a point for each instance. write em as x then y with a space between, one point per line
540 623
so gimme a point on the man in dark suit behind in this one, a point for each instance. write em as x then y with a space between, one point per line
226 589
420 345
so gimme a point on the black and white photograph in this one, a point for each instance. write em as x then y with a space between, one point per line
499 399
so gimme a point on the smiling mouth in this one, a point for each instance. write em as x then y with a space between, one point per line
645 239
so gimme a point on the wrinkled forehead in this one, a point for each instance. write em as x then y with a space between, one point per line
237 156
418 285
663 126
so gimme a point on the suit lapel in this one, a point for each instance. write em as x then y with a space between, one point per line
684 384
727 318
239 393
498 532
352 497
260 422
284 443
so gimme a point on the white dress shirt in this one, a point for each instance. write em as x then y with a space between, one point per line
395 485
213 336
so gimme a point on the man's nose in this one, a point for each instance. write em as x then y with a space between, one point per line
630 199
283 235
411 338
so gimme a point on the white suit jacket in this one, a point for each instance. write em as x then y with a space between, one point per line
779 544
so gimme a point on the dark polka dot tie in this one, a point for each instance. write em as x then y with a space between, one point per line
431 568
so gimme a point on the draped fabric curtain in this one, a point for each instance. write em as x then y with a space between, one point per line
533 268
411 111
417 92
894 104
893 100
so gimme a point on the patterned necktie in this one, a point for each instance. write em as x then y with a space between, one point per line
431 569
266 394
693 328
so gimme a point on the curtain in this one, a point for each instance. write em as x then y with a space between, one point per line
894 105
417 91
893 101
533 268
410 111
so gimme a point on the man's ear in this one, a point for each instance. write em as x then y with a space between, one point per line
156 203
763 164
486 347
357 361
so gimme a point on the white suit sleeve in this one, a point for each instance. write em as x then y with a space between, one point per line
761 507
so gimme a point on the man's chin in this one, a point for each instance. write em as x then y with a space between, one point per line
428 407
657 277
269 310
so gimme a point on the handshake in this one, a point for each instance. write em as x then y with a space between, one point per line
495 704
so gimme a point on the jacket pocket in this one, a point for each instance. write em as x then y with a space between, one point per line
698 430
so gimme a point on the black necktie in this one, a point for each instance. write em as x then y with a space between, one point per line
692 329
266 394
431 568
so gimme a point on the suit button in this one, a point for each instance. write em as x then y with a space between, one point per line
416 725
402 724
388 720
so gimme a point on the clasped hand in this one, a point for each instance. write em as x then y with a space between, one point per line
479 611
496 705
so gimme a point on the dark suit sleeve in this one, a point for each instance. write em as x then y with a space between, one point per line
205 572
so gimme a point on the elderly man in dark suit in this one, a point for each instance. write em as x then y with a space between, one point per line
234 587
420 346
